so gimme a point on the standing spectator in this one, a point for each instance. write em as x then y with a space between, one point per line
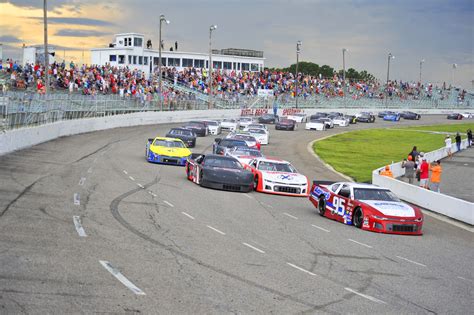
424 173
469 137
449 144
387 172
414 154
458 141
436 171
409 167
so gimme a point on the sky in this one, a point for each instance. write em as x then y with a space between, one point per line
440 32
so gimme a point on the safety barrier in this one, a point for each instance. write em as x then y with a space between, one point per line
440 203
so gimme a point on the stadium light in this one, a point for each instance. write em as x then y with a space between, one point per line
421 64
455 65
211 28
344 50
162 19
298 50
390 56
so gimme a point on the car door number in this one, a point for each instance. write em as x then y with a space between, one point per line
339 206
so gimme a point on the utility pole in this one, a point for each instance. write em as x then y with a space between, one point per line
46 53
421 64
211 28
298 49
160 82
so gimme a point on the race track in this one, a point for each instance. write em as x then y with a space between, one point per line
88 226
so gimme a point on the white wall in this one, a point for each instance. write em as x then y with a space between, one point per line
449 206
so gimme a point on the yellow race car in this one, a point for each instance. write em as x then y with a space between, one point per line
167 151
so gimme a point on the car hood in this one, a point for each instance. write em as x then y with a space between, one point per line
391 208
283 177
177 152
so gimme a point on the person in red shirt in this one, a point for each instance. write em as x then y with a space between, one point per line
424 173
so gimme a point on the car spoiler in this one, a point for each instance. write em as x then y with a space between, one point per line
323 182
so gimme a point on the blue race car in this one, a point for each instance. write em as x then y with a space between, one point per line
392 117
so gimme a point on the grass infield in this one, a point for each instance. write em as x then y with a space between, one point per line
357 153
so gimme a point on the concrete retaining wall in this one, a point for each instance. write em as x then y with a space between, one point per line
449 206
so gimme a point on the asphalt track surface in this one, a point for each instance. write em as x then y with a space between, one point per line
88 226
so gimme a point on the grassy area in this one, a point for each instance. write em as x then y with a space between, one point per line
357 153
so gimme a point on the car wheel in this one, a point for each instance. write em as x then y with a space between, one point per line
255 183
358 217
322 206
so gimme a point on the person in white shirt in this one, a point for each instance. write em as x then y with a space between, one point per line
448 143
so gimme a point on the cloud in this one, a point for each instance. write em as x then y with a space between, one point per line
74 21
9 39
80 33
36 4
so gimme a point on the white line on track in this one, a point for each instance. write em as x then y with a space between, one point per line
212 228
78 225
89 170
188 215
289 215
131 178
368 297
411 261
77 199
248 196
120 277
301 269
368 246
82 181
141 186
462 278
125 172
168 203
254 248
318 227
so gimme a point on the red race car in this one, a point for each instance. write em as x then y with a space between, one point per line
367 207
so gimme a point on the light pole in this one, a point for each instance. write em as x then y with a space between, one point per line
421 64
211 28
298 49
455 65
46 54
162 19
390 56
344 70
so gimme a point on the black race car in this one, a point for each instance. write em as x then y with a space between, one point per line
221 146
186 135
410 115
366 117
318 116
199 128
268 119
352 119
285 124
219 172
455 116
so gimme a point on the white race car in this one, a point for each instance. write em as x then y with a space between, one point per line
261 135
299 118
243 154
467 115
279 177
256 126
245 121
341 121
315 124
213 126
229 124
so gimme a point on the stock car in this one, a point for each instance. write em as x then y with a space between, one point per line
213 126
167 151
268 119
392 117
298 117
352 119
260 134
244 154
455 116
279 177
365 117
315 124
340 121
410 115
384 113
219 172
245 121
256 126
366 206
328 122
245 136
199 128
285 124
229 124
186 135
467 115
221 146
319 115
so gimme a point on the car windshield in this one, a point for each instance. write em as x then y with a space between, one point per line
247 151
212 123
257 126
233 143
267 116
258 131
223 162
183 132
374 194
276 167
229 120
168 143
286 121
244 138
316 121
245 119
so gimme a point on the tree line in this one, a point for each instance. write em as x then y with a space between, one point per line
325 71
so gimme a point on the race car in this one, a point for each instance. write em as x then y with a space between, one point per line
229 124
410 115
186 135
340 121
219 172
328 122
285 124
318 115
244 154
365 117
279 177
368 207
199 128
467 115
245 121
245 136
385 113
352 119
213 126
455 116
167 151
268 119
298 117
256 126
261 135
392 117
220 146
315 124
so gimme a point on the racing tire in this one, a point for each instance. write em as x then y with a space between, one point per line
188 173
321 206
255 183
358 217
